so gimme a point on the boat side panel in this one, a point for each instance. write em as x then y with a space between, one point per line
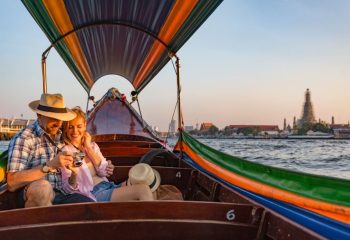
176 210
134 229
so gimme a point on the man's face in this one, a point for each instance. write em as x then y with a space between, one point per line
50 125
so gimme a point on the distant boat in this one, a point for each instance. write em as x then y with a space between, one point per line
312 135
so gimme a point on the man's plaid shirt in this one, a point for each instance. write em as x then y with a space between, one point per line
30 148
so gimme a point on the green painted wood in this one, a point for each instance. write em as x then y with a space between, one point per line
328 189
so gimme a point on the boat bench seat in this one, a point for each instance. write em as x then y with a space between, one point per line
193 184
144 144
178 177
138 229
186 216
124 151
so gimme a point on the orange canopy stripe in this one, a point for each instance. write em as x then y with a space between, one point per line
58 14
177 17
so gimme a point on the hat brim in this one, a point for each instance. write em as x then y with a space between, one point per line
69 115
158 180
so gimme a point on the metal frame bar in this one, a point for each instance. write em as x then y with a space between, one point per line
171 54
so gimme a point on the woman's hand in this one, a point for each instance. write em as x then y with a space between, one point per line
72 180
87 140
109 168
62 159
74 170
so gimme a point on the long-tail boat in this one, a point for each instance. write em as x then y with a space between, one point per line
225 197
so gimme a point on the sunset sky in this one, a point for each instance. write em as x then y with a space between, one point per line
250 63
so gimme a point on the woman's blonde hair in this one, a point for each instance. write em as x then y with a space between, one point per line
65 126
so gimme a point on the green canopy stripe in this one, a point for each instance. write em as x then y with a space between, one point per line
41 16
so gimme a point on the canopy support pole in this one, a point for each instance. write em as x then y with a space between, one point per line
180 123
43 71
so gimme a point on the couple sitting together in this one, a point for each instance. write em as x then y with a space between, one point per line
43 165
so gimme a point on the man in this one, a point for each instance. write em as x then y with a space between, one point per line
35 156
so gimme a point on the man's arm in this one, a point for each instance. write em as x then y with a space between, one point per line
16 180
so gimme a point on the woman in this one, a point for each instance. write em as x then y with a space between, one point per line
90 178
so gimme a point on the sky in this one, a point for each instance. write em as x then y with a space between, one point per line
250 63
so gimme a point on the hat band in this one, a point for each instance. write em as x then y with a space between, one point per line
153 183
52 109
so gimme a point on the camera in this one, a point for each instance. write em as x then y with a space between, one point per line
78 159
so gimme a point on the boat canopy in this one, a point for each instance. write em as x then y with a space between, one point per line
130 38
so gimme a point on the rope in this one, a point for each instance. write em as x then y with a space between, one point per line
177 102
172 62
172 117
138 105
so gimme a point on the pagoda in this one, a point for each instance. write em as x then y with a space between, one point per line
308 115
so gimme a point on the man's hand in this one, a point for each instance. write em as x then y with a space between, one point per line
109 168
62 159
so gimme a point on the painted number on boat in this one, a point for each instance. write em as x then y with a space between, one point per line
230 215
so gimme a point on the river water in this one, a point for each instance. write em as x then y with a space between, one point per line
323 157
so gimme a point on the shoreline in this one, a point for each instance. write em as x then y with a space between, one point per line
6 136
272 138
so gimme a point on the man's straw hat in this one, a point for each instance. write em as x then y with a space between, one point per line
52 105
144 173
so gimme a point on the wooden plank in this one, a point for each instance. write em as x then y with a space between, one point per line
147 144
123 151
124 161
119 137
178 177
279 227
157 161
176 210
228 195
133 229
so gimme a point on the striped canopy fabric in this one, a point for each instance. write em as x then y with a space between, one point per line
130 38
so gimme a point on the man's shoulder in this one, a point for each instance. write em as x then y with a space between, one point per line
26 133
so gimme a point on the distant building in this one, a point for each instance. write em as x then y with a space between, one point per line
205 126
308 115
13 125
172 127
294 122
254 130
258 128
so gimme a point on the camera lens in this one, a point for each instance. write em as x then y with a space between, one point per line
78 159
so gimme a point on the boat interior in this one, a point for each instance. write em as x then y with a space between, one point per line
209 209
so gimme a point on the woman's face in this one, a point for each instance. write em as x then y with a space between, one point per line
76 129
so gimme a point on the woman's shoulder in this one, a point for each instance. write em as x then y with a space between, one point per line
95 146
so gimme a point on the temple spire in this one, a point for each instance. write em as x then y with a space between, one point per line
308 112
